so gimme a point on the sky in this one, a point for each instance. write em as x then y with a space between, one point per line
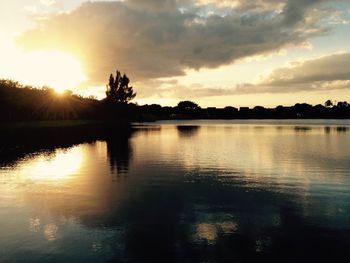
213 52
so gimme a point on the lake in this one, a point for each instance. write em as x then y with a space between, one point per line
182 191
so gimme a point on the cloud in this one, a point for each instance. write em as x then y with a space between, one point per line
338 18
48 2
326 69
150 39
331 72
246 5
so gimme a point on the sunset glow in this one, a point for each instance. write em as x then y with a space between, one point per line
217 53
54 69
174 131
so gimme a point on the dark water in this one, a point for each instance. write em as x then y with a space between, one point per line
182 192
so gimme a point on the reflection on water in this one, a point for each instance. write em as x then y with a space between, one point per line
119 153
209 231
192 192
188 130
302 128
342 129
52 166
34 224
50 231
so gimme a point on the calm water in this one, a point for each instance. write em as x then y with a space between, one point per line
199 191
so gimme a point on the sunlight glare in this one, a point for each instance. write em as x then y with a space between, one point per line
62 165
58 70
55 69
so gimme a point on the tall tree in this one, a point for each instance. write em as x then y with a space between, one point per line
118 89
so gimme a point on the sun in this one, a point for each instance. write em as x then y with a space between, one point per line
53 68
58 70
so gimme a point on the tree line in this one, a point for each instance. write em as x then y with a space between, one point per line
19 103
191 110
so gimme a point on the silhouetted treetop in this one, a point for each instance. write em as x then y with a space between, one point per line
342 104
328 103
188 105
118 89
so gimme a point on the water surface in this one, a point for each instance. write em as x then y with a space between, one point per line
189 191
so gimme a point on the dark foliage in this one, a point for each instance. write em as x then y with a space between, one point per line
18 103
191 110
187 105
118 89
328 103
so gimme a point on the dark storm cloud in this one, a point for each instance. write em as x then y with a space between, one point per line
151 39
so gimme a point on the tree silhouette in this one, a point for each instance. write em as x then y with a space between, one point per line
118 89
188 109
187 105
342 104
328 103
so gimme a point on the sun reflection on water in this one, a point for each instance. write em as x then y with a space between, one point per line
53 167
50 232
209 232
34 224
